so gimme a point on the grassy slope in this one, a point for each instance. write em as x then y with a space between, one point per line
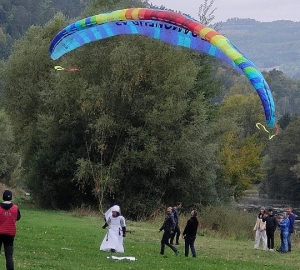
57 240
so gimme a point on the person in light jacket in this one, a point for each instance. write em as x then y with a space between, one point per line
260 230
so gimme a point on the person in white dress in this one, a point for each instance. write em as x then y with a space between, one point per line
113 239
260 230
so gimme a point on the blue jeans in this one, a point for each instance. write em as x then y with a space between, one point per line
284 241
189 244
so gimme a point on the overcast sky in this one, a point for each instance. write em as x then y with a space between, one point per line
260 10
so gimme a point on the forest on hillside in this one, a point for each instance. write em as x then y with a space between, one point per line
140 122
269 44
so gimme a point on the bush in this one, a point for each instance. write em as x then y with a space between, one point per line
225 222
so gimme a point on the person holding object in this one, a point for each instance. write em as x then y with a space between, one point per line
189 234
113 240
284 224
168 227
260 230
9 215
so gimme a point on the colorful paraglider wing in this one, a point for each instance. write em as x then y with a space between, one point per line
163 31
81 32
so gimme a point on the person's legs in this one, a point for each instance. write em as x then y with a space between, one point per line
268 239
186 247
264 239
193 247
257 239
289 241
172 247
177 234
165 238
172 235
9 250
271 236
285 242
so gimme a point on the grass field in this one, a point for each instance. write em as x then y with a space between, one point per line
58 240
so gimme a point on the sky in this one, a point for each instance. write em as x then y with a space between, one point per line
260 10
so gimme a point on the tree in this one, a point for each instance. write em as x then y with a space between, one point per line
282 176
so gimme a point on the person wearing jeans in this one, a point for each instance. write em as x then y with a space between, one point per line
189 234
284 224
291 217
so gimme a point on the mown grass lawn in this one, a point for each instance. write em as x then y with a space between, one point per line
57 240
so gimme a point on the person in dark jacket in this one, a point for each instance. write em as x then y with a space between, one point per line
291 217
189 234
9 215
271 225
168 227
176 233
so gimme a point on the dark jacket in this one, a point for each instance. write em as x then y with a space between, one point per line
292 222
191 227
169 223
176 215
271 223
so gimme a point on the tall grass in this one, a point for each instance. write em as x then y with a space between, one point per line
61 240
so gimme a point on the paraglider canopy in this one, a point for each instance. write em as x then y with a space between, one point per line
170 27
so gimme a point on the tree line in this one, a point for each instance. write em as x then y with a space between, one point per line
142 124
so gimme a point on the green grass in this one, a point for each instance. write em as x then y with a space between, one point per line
57 240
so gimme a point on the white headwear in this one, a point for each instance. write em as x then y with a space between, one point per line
108 213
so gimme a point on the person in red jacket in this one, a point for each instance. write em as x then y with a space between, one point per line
9 214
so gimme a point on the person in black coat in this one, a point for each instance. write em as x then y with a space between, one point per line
177 228
168 227
189 234
271 225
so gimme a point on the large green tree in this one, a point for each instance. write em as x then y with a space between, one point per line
132 121
282 180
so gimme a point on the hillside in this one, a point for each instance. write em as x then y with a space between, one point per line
268 44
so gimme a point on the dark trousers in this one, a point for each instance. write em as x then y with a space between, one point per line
189 244
270 239
289 242
8 243
165 242
177 234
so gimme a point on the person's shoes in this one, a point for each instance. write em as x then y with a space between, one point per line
271 249
176 252
289 250
161 253
112 250
171 243
278 250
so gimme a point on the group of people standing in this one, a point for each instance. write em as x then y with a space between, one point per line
113 239
171 230
265 227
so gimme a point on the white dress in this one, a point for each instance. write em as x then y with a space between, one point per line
113 239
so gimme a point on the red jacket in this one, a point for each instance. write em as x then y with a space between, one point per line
8 218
